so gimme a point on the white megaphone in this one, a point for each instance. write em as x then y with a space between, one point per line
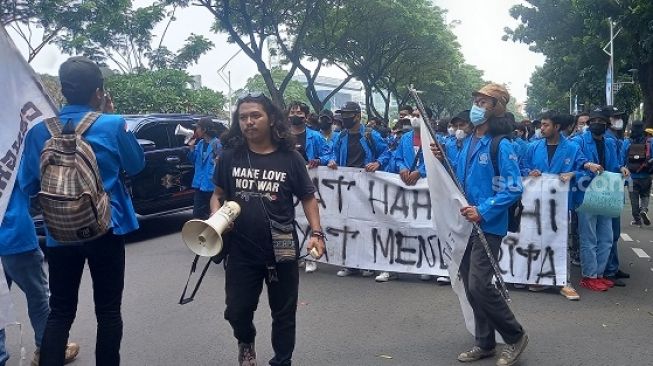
186 132
204 237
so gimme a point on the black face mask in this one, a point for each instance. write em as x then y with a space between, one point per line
348 122
597 128
325 125
296 120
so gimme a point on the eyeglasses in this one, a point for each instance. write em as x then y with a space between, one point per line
251 94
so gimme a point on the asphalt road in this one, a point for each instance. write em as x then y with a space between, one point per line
355 321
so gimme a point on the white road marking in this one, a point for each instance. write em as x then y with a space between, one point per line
640 253
626 237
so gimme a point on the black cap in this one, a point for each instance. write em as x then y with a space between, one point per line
598 114
350 107
463 116
327 113
612 111
79 77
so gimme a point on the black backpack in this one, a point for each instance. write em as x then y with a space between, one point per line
637 159
515 210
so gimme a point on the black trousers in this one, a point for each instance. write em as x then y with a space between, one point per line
243 286
491 312
574 243
640 196
106 262
201 205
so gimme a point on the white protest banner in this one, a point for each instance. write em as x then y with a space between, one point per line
23 102
374 221
538 253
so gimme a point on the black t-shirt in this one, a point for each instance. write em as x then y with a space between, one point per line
600 149
254 181
551 150
355 152
301 144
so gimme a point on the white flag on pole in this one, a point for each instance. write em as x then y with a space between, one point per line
453 230
23 102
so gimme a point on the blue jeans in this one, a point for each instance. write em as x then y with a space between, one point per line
26 270
595 243
613 259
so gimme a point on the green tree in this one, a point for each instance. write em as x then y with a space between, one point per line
161 91
295 91
571 34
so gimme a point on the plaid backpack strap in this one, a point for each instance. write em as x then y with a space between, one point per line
86 122
54 126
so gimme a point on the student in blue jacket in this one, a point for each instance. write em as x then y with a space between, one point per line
203 152
309 143
596 235
554 154
357 146
22 261
116 151
489 198
462 130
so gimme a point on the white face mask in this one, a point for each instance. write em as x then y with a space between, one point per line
451 131
538 133
585 128
415 122
618 124
460 134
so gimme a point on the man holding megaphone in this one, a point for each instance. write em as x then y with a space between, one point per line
261 171
203 151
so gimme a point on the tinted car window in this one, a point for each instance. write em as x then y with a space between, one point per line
156 133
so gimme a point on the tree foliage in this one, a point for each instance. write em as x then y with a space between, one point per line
572 34
295 91
161 91
107 31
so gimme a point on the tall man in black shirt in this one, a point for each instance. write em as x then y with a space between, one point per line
261 170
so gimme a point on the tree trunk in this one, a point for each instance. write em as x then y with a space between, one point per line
646 84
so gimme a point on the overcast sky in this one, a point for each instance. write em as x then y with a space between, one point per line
479 34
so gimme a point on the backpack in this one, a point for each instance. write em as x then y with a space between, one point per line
75 206
515 210
637 158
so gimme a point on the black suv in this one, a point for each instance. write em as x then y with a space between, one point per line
164 185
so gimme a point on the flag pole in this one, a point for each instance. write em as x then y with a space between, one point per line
447 165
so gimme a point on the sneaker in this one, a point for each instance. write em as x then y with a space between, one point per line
622 274
310 267
616 281
72 350
570 293
519 286
636 223
385 277
475 354
424 277
443 281
246 354
367 273
538 288
606 282
511 352
592 284
345 272
645 218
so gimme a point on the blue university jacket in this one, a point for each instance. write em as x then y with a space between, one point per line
491 196
116 150
405 155
317 147
340 148
17 234
204 163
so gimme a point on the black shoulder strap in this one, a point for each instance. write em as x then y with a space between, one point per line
193 267
494 152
